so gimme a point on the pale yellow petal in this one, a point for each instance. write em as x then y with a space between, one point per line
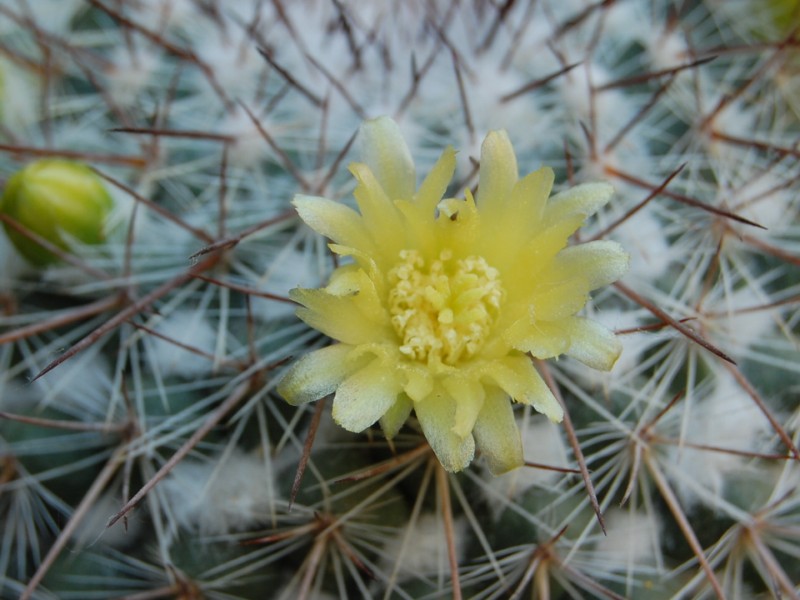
592 344
364 261
437 415
515 375
365 396
419 228
422 230
386 154
498 172
598 263
435 184
334 220
585 200
316 374
468 394
559 300
496 433
541 338
387 352
335 317
352 282
522 265
356 317
394 418
458 225
380 215
569 277
529 195
509 228
345 281
418 380
549 240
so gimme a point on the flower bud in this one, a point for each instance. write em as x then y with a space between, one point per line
776 18
784 14
61 201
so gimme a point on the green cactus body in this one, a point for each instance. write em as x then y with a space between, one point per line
650 450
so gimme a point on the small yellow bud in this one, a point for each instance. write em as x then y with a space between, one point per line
59 200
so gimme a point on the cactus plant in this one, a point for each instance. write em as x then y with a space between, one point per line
145 451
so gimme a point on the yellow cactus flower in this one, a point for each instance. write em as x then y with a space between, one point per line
445 300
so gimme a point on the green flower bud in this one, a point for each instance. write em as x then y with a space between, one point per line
785 14
775 18
61 201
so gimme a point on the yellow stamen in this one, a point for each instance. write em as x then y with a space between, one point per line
443 312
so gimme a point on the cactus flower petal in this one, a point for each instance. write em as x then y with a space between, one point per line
436 415
386 154
496 433
365 396
592 344
316 374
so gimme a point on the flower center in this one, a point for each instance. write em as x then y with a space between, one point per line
443 311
